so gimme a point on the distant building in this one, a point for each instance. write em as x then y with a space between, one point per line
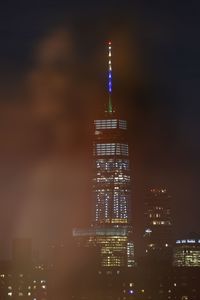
111 226
112 180
187 253
112 245
112 192
158 223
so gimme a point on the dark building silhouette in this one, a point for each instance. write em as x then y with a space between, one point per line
158 224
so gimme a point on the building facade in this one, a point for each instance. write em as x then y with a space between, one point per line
158 223
187 253
111 226
111 183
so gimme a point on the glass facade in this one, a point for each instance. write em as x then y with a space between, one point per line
111 182
111 189
113 244
187 253
112 192
111 149
112 250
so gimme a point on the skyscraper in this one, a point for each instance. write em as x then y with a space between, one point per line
111 183
158 222
112 223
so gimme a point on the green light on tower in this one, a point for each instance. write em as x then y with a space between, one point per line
110 108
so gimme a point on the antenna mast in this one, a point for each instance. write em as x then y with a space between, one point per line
110 108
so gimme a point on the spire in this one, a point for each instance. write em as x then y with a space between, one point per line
110 107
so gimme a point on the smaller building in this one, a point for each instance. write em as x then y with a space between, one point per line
187 253
158 223
111 243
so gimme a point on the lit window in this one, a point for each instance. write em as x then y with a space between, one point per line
105 124
111 149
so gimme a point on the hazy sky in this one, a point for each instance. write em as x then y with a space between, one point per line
53 83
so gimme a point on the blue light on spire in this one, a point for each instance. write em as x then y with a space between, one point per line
110 109
109 68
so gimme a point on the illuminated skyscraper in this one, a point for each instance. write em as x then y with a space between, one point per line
112 222
112 172
111 184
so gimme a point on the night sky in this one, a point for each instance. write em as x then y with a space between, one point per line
53 83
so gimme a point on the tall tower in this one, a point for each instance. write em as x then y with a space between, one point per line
111 183
111 227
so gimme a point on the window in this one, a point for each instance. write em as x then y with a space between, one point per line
105 124
112 149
